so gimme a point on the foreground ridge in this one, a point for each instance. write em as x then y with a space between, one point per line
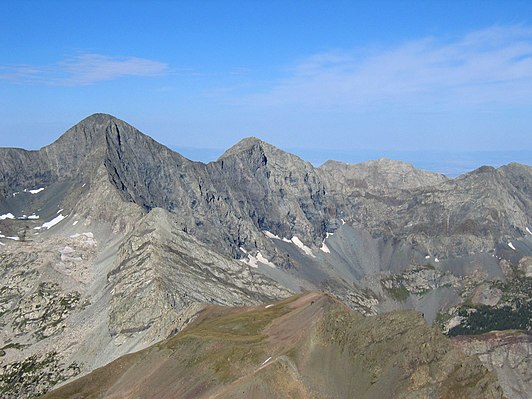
309 345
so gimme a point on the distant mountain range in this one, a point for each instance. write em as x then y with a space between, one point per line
450 163
111 242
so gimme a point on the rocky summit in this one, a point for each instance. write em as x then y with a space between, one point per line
117 252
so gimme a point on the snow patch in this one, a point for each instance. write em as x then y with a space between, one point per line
436 260
51 223
75 223
262 259
14 238
250 261
511 246
327 235
37 191
7 216
243 250
269 234
59 211
266 361
343 221
427 257
254 260
529 232
325 248
296 241
1 243
268 306
31 217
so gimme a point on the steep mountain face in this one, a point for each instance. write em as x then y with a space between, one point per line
14 166
253 187
69 175
71 155
282 194
519 176
307 346
109 241
473 213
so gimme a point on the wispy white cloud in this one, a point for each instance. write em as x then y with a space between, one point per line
83 69
491 66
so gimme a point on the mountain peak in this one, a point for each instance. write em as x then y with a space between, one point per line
88 131
91 132
250 144
244 145
99 118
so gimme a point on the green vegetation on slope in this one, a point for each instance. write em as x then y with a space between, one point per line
483 319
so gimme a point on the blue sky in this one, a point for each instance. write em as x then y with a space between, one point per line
346 79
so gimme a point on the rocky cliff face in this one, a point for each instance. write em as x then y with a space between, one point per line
471 214
255 187
252 187
378 176
167 271
75 153
507 354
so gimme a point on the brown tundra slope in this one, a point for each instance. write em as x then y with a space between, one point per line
307 346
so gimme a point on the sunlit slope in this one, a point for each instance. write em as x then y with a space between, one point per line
309 346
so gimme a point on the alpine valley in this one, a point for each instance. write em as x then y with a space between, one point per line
129 271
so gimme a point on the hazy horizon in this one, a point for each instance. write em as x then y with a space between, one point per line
449 163
321 77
